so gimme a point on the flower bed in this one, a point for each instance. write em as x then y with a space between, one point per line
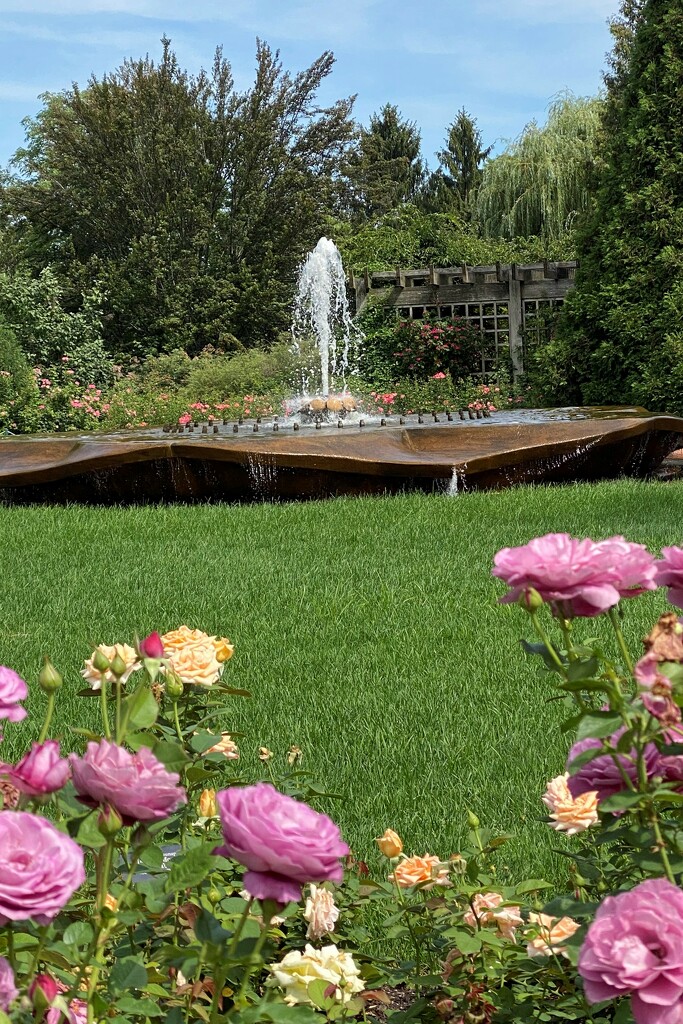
142 879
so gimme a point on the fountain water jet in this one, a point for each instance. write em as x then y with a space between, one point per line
321 308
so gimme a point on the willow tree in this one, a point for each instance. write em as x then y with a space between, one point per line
541 182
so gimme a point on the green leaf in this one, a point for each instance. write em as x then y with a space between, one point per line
141 708
620 801
597 724
467 943
88 833
79 933
316 993
208 929
190 868
532 885
171 755
127 975
582 669
141 1007
202 740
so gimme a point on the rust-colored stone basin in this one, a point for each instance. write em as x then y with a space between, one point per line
271 461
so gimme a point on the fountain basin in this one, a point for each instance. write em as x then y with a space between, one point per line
272 461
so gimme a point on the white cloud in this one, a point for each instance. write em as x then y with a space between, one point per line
549 12
20 92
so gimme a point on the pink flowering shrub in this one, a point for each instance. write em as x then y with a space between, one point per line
423 348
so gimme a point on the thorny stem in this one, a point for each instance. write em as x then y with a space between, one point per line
614 619
543 637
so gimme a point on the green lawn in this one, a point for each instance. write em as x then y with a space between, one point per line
367 630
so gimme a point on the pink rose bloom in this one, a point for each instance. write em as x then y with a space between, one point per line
138 786
576 577
657 695
12 690
283 842
40 771
670 574
634 564
602 774
8 990
41 868
635 947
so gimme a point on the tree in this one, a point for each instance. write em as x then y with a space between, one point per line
461 161
386 169
190 205
539 184
623 319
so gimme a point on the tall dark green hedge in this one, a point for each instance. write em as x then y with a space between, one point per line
624 322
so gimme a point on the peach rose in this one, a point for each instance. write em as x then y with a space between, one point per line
390 844
321 912
127 654
550 934
484 910
226 746
417 870
196 664
570 815
182 637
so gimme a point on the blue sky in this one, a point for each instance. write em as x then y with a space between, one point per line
503 60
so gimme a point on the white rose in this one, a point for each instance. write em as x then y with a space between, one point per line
297 970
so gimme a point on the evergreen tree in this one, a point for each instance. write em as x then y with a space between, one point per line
387 168
461 162
623 321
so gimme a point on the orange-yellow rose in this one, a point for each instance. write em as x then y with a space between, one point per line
390 844
224 649
550 934
183 636
196 664
417 870
208 808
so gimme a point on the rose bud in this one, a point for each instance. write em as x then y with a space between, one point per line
42 992
390 844
49 678
152 647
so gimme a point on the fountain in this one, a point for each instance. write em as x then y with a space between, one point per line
321 309
329 447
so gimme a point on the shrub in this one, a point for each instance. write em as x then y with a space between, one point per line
423 348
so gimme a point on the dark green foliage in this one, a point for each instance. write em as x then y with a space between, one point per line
458 177
16 379
189 204
386 169
623 320
410 238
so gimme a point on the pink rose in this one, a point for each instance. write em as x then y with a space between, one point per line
40 771
12 690
670 574
8 990
576 577
283 842
138 786
634 565
602 775
41 868
635 947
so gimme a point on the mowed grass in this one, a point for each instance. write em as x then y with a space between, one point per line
368 632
